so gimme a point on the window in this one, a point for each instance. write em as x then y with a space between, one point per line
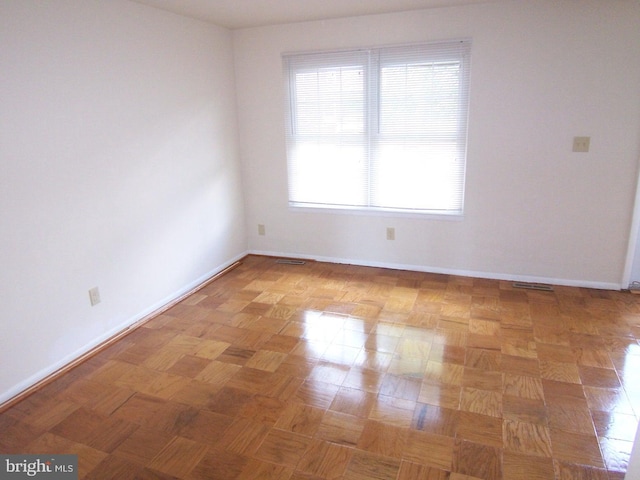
379 129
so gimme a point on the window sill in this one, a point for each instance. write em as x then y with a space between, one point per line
377 212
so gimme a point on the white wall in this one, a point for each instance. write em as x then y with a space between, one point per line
542 72
118 169
633 469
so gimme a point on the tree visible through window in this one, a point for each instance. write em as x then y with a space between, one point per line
379 129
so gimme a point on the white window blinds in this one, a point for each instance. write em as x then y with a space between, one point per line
379 129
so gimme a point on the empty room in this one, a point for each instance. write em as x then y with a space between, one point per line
320 239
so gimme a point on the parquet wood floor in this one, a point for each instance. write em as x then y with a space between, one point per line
322 371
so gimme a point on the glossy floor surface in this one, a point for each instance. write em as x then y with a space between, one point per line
322 371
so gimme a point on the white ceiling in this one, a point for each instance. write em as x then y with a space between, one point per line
252 13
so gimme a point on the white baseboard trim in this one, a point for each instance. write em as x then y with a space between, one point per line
86 351
449 271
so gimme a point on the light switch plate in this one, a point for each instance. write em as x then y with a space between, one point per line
581 144
94 296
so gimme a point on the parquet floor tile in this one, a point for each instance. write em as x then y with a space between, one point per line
524 410
386 440
369 466
440 448
413 471
322 371
527 438
341 428
518 466
477 460
434 419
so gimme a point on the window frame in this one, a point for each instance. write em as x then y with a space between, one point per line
372 64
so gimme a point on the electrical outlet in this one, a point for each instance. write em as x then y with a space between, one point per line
391 233
94 296
581 144
261 230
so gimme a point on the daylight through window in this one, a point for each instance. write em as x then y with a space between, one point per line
379 129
